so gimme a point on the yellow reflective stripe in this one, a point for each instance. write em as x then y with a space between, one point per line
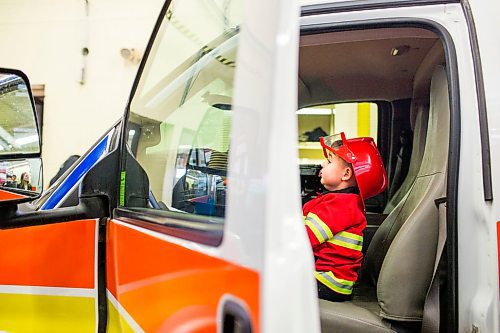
47 313
318 227
313 217
116 321
350 235
340 286
346 245
348 240
316 232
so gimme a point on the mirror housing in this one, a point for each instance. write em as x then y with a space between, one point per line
20 144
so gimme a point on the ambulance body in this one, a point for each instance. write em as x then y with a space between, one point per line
188 212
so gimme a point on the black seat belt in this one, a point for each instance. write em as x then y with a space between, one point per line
430 322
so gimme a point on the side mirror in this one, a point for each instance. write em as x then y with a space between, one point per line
20 149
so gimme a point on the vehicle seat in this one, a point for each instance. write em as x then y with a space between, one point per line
400 258
419 115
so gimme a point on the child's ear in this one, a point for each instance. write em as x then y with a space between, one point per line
347 174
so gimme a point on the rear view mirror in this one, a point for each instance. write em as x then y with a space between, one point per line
20 162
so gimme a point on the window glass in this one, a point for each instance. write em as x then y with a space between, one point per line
180 117
18 128
354 119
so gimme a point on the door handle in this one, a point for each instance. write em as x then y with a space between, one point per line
235 318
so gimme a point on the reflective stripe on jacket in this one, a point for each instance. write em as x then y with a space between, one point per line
335 223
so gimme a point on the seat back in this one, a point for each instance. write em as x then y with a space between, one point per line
419 133
400 258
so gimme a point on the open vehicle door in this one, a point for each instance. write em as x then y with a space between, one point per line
202 232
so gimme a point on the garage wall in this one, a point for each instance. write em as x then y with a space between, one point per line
44 38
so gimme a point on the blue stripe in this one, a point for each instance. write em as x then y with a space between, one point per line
152 201
76 176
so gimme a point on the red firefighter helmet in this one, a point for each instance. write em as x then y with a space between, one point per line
365 158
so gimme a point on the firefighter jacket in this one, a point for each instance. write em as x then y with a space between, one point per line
335 222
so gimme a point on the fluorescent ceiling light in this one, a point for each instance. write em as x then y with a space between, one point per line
316 111
27 139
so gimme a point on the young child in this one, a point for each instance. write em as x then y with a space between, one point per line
335 220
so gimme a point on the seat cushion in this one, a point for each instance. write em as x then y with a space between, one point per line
347 317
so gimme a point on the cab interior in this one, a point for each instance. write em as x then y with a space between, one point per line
401 72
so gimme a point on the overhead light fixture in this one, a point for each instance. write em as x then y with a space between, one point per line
316 111
132 55
27 140
400 50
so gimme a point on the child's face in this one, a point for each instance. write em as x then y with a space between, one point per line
335 173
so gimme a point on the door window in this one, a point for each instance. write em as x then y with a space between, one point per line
180 117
